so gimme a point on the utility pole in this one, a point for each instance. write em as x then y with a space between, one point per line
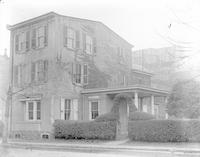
7 116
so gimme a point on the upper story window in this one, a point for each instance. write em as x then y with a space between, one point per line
39 71
71 38
39 37
88 44
80 73
35 38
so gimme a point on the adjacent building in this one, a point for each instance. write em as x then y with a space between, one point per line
70 68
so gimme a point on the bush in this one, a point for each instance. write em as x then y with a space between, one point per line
107 117
140 116
165 130
84 130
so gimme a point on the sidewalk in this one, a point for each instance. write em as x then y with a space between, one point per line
124 145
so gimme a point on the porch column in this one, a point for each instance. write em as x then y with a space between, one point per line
136 100
166 114
152 104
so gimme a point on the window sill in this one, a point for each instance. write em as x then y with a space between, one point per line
30 121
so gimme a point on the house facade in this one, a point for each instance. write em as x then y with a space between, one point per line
70 68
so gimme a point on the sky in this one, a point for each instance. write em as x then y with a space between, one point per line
143 23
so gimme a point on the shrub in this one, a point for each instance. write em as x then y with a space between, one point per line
140 116
107 117
164 130
84 130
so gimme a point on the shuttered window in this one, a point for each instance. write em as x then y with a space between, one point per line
33 110
93 109
80 73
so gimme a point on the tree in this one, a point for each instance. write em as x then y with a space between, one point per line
184 100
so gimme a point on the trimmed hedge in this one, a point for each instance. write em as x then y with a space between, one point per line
140 116
85 130
165 130
107 117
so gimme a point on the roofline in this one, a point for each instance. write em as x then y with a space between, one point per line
124 89
11 27
142 72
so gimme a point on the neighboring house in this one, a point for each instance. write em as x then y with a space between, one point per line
71 68
4 80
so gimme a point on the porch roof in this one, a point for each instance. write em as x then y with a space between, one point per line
127 89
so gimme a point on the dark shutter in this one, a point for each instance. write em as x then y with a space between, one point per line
77 39
46 35
94 46
33 70
65 35
85 74
73 72
45 70
16 43
27 40
84 41
33 39
16 75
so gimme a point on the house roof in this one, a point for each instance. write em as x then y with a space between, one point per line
53 14
126 89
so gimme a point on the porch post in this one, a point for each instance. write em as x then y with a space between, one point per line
136 100
166 114
152 104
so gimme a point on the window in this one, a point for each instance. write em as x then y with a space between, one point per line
39 37
88 44
80 75
94 109
21 75
21 43
69 109
33 110
39 71
70 38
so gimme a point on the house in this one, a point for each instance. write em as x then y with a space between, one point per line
71 68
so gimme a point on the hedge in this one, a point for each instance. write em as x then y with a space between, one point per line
107 117
84 130
140 116
165 130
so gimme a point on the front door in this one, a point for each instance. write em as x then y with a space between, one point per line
123 108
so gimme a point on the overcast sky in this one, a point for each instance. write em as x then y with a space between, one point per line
143 23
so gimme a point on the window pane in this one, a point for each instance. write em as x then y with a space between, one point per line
94 106
30 110
94 114
67 109
38 110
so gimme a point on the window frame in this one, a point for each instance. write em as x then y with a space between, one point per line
90 108
89 43
34 111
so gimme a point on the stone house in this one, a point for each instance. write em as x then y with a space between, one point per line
71 68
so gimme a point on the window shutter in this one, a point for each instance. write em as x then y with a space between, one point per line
45 70
90 110
33 70
27 40
16 75
26 110
94 46
85 74
62 109
17 43
33 40
84 41
75 109
73 73
65 35
46 35
77 39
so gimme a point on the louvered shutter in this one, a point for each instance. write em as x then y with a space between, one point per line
16 75
16 43
65 35
27 40
73 73
46 35
90 110
45 70
33 39
85 74
75 109
62 109
33 70
94 46
77 39
84 42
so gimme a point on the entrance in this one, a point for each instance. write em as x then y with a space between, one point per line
123 114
